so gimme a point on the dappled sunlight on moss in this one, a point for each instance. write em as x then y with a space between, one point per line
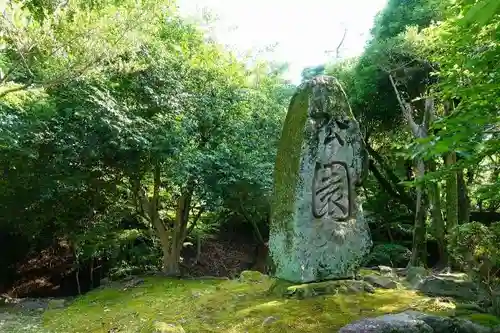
228 307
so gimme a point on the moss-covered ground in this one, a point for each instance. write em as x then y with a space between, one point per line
228 306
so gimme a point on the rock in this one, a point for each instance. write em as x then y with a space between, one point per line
269 320
56 304
161 327
318 231
385 270
415 275
32 304
394 323
308 290
438 286
133 283
251 276
413 322
381 281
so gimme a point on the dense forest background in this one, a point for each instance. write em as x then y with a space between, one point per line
131 142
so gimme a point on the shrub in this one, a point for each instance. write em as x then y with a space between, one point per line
394 255
474 247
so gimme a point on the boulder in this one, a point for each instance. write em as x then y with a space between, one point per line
318 230
56 303
393 323
252 276
413 322
439 286
308 290
415 275
134 282
385 270
380 281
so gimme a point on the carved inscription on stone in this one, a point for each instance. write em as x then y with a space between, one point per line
331 191
332 134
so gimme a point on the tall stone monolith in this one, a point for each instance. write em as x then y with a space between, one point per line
318 231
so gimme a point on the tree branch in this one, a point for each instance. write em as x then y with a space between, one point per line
386 185
405 108
255 226
337 50
188 231
70 72
429 113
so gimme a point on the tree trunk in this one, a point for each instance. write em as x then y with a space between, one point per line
419 245
463 199
451 194
438 227
171 262
419 131
172 255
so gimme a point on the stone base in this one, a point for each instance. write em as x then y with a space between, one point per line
311 251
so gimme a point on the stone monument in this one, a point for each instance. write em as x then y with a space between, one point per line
317 229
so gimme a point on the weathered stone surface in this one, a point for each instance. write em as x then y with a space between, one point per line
413 322
252 276
385 282
439 286
56 303
308 290
385 270
269 320
415 275
397 323
318 231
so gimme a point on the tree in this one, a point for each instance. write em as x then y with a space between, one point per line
164 128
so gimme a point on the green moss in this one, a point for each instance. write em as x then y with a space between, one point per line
227 306
288 161
366 272
252 276
308 290
484 319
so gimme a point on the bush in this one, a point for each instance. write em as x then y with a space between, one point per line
393 255
474 247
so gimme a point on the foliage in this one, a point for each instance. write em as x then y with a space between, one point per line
111 108
442 51
393 255
475 247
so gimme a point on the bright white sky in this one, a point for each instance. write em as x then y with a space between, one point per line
303 31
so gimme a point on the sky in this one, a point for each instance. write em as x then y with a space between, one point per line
304 33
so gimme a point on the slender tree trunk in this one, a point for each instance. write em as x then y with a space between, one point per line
463 199
171 257
419 245
451 193
198 248
450 159
418 131
77 277
438 226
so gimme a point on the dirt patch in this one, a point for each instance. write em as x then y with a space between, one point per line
221 258
51 273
